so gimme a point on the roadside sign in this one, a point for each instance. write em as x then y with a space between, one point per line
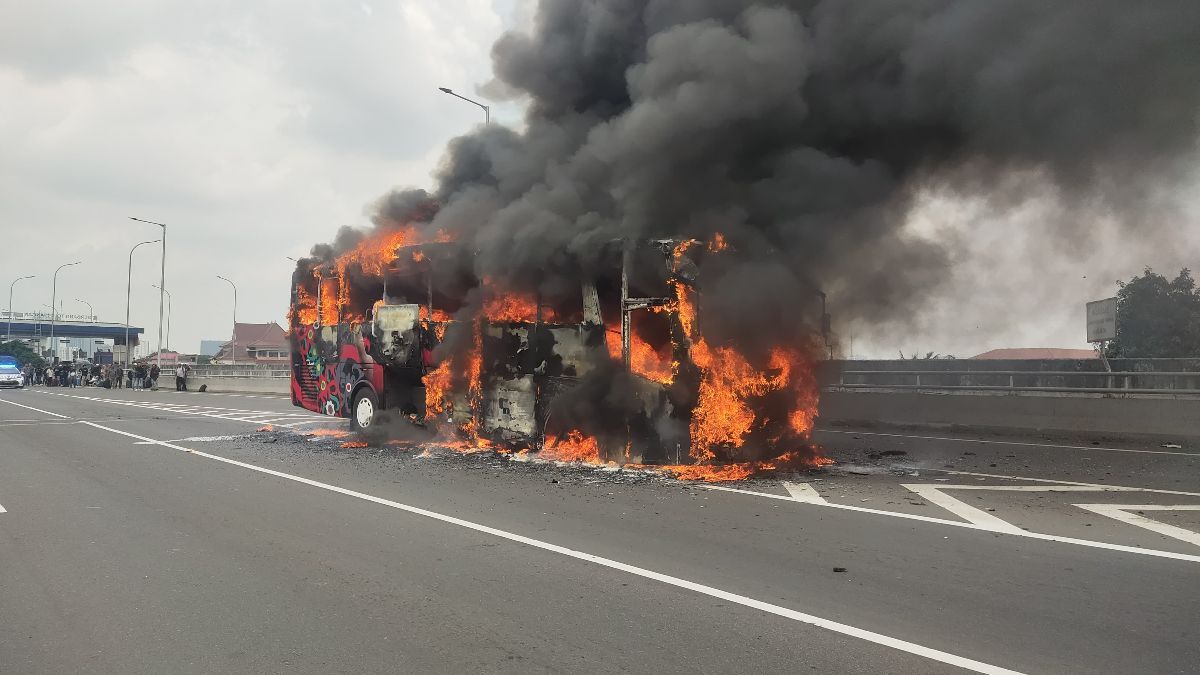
1102 320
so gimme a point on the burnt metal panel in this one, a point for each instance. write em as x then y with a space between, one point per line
509 408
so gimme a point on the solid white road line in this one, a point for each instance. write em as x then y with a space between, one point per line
777 610
29 407
971 526
989 442
2 509
803 492
1122 513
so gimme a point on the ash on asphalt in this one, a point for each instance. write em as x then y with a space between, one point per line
414 455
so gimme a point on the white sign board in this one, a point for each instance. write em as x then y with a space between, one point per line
1102 320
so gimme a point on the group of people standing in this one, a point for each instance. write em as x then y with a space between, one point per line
138 377
63 375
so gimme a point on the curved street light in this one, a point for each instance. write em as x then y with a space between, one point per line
91 311
128 290
54 305
10 294
168 314
487 110
233 343
162 282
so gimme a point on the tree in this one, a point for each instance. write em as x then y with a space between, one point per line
22 353
1157 318
929 356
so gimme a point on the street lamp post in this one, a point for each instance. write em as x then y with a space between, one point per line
233 343
91 310
129 290
54 305
487 111
10 294
168 316
162 283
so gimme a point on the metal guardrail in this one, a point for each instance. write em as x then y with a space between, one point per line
1117 382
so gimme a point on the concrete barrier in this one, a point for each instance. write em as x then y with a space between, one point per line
235 379
239 385
1094 415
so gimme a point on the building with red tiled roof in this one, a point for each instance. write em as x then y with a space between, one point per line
1039 353
256 343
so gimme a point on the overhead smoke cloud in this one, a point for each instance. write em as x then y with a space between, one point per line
804 131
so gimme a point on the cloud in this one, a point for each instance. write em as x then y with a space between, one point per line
253 129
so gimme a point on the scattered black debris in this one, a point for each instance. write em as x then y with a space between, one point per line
839 569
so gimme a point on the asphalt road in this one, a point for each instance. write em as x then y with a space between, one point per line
163 532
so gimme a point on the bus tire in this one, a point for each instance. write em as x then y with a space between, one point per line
364 410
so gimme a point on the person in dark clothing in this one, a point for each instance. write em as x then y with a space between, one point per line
154 373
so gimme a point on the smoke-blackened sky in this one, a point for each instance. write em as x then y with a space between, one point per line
948 172
806 132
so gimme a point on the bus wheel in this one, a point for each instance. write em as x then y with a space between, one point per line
362 413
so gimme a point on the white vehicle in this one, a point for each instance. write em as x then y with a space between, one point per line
10 376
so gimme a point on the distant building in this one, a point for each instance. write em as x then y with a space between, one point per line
256 343
1038 353
211 347
171 358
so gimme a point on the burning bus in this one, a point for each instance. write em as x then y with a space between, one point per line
401 330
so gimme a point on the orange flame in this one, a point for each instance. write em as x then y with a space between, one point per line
305 309
724 416
334 433
515 308
717 243
374 254
644 359
329 301
437 386
574 447
439 315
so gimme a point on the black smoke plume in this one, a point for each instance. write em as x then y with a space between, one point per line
803 131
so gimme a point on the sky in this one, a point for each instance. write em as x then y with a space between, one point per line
253 129
256 128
